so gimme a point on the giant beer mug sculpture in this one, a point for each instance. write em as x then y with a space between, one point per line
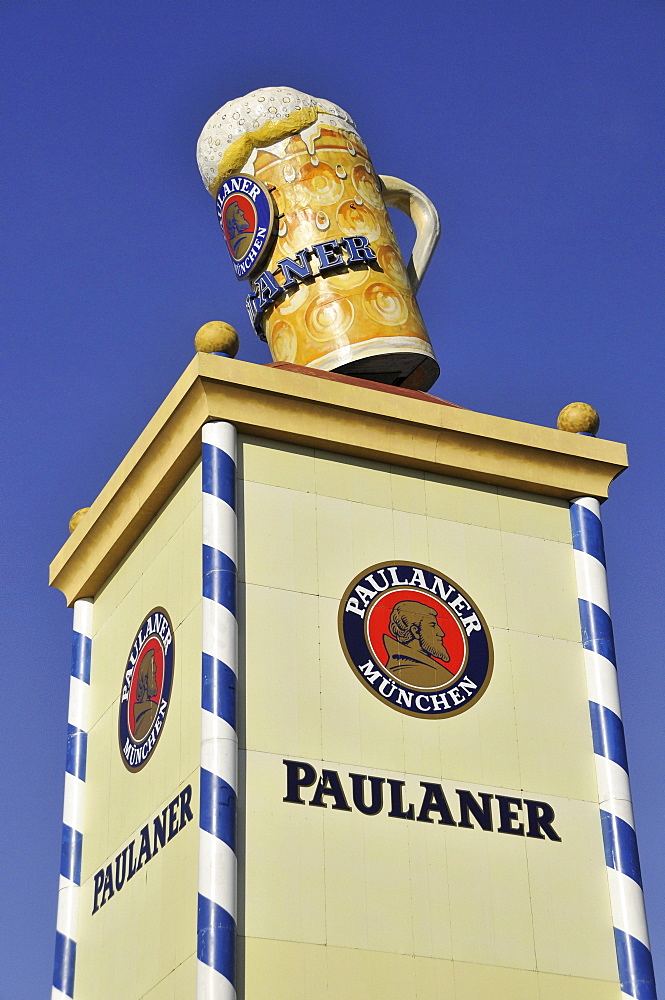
305 220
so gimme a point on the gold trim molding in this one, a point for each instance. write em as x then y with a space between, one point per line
329 414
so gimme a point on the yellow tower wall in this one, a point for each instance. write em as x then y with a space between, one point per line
341 904
141 942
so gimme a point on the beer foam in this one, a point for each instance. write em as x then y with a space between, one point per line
260 119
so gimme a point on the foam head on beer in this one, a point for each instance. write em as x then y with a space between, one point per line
328 287
260 119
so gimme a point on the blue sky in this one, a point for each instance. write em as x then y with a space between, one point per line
536 126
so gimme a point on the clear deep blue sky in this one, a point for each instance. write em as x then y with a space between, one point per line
537 129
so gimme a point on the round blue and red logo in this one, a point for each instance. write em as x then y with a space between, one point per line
246 214
146 690
415 639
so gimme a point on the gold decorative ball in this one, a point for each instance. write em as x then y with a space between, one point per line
578 418
217 338
77 516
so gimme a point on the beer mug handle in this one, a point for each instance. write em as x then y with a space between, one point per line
411 200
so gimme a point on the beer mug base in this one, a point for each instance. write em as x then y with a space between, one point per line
407 365
409 371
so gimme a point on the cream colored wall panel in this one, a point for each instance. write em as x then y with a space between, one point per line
283 858
115 634
461 500
552 712
480 908
357 480
430 912
334 545
141 933
350 919
488 890
472 557
572 988
493 723
540 586
100 944
164 581
528 514
377 975
187 690
448 552
162 570
168 579
184 499
161 956
111 596
190 582
411 536
276 464
372 534
343 698
368 892
280 553
434 979
349 537
397 885
177 934
489 982
164 990
285 970
184 979
569 880
97 795
305 470
355 725
280 701
432 748
408 490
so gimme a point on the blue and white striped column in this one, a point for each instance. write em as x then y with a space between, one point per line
216 926
616 810
72 819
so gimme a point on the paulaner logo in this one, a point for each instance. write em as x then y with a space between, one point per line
110 878
415 639
146 690
246 216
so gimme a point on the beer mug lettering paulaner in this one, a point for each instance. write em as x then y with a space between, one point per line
305 221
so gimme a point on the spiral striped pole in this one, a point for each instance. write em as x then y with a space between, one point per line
216 924
616 811
72 819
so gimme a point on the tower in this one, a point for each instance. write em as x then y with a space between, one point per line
454 853
344 716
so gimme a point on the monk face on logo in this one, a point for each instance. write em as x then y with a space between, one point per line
146 689
235 220
144 707
430 635
415 625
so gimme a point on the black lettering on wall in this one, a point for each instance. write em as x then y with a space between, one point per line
298 775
